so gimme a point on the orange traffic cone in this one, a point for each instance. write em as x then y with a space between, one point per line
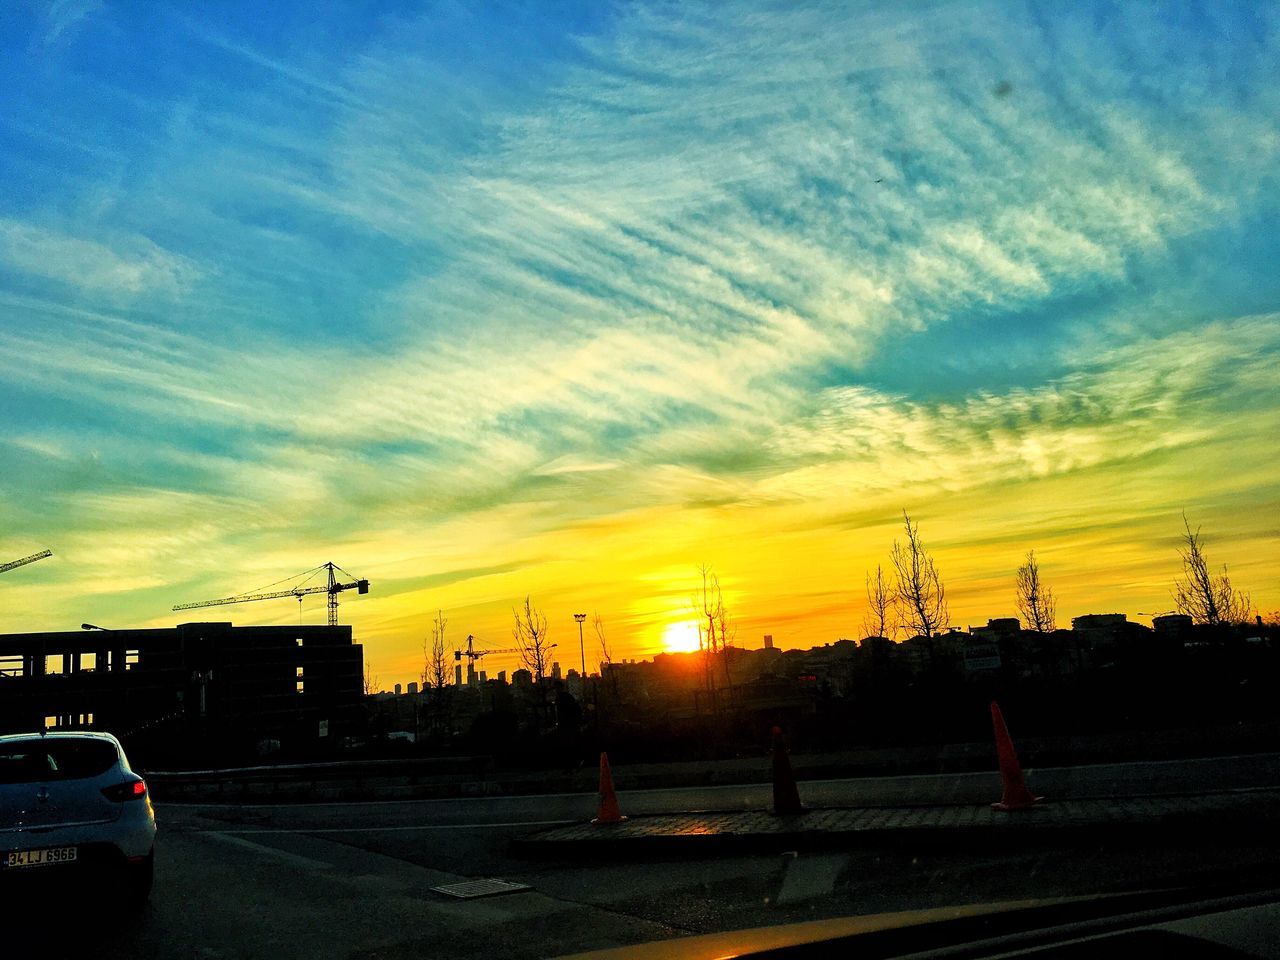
786 797
608 811
1016 796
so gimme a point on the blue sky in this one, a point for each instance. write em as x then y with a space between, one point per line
479 300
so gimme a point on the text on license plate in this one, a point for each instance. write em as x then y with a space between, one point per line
47 857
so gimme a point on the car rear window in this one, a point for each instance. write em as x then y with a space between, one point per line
28 761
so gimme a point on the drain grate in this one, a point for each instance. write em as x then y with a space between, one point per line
470 889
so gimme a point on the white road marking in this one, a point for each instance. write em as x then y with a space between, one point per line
262 849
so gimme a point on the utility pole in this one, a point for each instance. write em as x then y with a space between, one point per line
581 649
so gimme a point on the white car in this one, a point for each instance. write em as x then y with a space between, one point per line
70 805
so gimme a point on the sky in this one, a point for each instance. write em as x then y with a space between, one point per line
566 300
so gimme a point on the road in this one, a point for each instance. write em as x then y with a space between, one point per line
339 880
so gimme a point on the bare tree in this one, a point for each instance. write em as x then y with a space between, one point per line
597 624
708 606
715 631
371 683
1206 597
606 656
918 595
530 634
1035 600
435 673
878 620
727 628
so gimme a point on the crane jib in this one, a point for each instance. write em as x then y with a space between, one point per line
12 564
332 588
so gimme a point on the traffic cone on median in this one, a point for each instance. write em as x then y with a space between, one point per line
1015 796
786 796
608 811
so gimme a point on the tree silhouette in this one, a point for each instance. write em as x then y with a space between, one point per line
435 672
606 656
597 624
1206 597
727 627
919 598
878 620
530 634
1035 600
709 606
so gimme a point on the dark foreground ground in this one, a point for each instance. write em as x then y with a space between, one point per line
353 879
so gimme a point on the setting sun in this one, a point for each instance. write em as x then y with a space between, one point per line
680 637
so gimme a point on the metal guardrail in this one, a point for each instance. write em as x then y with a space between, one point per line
413 769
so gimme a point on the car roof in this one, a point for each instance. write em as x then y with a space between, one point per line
60 735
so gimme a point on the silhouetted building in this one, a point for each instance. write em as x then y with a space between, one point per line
196 683
768 641
1098 622
413 687
1176 625
999 627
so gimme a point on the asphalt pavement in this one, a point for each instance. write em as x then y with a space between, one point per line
354 880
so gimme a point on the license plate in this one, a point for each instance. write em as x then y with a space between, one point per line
48 857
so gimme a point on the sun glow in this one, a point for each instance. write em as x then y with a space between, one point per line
680 637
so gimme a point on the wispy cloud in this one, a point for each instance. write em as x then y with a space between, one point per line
130 264
63 17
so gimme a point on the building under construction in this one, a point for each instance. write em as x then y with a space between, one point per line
190 694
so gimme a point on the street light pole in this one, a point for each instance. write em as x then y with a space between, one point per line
582 650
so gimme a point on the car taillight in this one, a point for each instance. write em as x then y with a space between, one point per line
129 790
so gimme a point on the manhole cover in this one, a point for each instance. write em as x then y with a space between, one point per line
470 889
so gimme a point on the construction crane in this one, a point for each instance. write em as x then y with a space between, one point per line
332 588
5 567
472 654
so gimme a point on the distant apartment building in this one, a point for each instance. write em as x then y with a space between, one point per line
1098 622
982 656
